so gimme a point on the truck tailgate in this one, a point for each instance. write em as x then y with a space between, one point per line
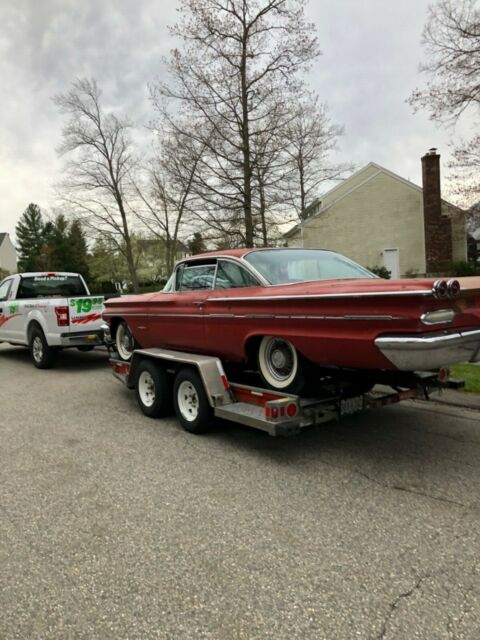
85 313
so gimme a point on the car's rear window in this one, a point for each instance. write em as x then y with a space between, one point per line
51 286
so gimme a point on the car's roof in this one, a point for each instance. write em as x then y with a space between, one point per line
236 253
239 253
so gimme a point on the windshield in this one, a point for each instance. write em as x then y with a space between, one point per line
284 266
51 286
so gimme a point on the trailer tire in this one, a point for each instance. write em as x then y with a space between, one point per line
191 403
42 354
153 389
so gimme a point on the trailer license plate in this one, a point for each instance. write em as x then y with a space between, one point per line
349 406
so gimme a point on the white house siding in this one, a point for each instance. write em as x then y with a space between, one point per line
381 213
347 185
8 255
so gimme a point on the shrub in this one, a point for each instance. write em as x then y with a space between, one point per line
382 272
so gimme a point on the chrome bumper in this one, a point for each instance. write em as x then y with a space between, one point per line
424 352
94 338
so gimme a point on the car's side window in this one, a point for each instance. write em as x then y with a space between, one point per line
194 277
5 288
231 275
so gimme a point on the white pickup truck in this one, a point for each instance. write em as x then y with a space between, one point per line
49 311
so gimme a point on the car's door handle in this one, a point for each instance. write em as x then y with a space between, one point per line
199 302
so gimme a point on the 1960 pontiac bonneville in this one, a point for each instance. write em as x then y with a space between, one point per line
293 313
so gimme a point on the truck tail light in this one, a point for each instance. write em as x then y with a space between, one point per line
63 317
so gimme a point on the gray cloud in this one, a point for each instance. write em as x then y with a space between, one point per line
371 52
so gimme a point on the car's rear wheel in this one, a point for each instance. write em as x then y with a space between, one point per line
280 365
124 341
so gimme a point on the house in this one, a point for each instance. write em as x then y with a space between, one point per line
378 218
8 254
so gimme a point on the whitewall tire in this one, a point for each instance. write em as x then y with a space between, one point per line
279 365
124 341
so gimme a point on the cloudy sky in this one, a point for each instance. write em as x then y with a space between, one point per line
371 52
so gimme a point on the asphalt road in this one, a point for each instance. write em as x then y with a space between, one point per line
115 526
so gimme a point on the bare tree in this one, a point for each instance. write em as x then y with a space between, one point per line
451 38
235 54
100 163
310 137
169 200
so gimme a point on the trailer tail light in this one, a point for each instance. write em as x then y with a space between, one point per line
292 409
63 317
281 409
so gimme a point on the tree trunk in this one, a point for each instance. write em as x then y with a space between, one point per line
247 168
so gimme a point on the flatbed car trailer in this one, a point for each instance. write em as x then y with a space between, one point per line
199 390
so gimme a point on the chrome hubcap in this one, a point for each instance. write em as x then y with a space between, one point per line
124 342
279 359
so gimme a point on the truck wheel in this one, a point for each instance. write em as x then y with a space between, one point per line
124 341
42 354
153 390
280 366
191 403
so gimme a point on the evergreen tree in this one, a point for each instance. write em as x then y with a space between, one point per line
30 238
77 245
196 243
55 250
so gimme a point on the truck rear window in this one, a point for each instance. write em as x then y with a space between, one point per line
51 286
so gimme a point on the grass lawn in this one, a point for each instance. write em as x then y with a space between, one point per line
468 372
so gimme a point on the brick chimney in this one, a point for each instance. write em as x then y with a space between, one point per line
438 228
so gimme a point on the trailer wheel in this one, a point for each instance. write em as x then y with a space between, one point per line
280 366
153 390
125 343
191 403
42 354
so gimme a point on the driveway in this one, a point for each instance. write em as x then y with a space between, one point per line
115 526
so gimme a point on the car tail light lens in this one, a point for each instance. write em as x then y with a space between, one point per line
440 289
443 374
62 316
453 288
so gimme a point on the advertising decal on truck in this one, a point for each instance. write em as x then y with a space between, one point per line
83 310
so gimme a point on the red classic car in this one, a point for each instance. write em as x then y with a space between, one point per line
290 313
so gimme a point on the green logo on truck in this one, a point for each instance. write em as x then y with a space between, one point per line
85 305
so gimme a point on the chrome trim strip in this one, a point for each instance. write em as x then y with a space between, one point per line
316 296
253 316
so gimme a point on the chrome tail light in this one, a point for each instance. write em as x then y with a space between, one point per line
453 288
440 289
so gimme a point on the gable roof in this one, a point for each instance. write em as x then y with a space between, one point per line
371 171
